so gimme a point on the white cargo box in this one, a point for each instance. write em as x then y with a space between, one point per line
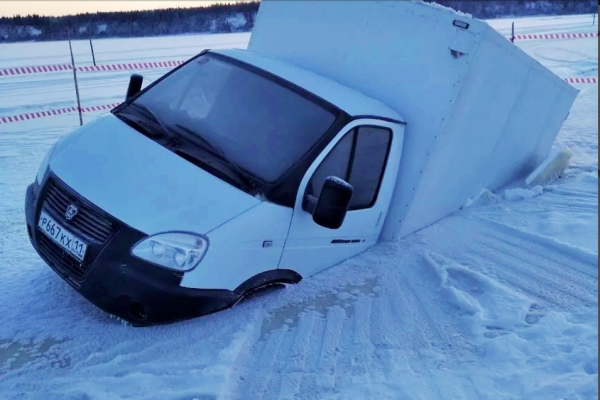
480 112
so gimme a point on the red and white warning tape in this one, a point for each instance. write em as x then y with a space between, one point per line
570 35
582 80
126 67
34 70
171 64
43 114
67 67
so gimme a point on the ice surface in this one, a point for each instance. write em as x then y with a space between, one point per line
552 168
499 301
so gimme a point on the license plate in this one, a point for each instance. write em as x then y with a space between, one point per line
62 237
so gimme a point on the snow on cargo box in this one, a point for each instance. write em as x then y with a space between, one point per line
480 112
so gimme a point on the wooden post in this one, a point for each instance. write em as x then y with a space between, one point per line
91 46
512 37
75 79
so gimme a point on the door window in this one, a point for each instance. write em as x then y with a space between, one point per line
360 159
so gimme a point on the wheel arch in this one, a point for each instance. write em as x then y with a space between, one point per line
267 278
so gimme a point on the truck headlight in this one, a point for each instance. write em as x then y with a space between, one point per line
43 168
178 251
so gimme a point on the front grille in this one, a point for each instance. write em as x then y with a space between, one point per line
60 261
89 222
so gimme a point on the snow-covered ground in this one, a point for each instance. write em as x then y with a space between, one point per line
499 301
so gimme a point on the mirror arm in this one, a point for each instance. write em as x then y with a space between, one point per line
309 204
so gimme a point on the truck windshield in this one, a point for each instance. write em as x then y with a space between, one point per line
257 123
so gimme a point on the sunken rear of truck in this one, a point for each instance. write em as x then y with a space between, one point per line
480 112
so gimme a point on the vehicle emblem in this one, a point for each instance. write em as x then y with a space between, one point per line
71 212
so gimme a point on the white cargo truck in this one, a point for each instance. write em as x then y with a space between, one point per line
342 124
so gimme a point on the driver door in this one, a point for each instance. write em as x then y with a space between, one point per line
367 155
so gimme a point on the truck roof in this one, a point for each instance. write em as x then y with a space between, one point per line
349 100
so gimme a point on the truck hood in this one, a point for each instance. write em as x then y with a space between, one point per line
143 184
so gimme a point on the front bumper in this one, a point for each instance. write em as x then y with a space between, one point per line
109 277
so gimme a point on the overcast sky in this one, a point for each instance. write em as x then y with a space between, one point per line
9 8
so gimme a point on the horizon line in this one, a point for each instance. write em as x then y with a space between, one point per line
52 8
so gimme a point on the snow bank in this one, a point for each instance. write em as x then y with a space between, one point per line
489 308
521 194
522 341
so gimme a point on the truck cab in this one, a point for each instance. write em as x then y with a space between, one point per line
231 172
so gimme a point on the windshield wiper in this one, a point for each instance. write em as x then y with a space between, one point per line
236 179
146 112
199 140
148 123
196 139
153 130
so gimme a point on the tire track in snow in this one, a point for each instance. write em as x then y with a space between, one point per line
404 341
302 342
360 370
291 356
571 276
438 342
394 335
318 329
516 266
574 207
434 340
264 371
580 262
401 335
362 342
307 367
295 358
517 342
555 201
330 349
577 194
520 283
513 272
302 360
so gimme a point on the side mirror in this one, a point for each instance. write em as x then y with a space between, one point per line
135 85
330 209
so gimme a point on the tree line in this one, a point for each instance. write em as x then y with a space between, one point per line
224 18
